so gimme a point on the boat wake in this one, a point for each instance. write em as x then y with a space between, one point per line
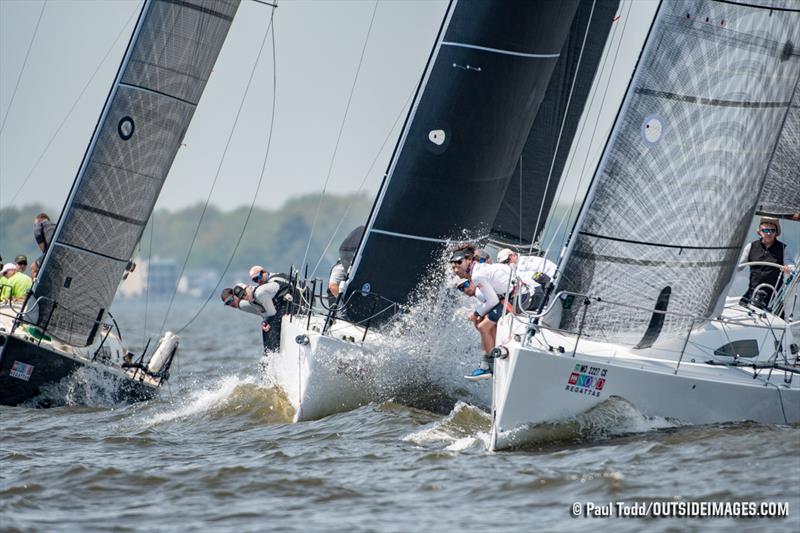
465 427
615 417
468 426
228 397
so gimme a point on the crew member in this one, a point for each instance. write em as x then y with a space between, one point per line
535 272
770 250
43 231
493 282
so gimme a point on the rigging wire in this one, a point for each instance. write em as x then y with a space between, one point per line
258 185
22 70
561 129
341 130
565 219
366 176
74 105
219 169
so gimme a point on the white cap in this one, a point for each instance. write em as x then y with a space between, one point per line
7 267
504 255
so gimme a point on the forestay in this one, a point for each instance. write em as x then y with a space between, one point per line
483 85
168 62
781 193
672 199
540 167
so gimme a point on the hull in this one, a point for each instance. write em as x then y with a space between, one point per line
534 386
323 377
337 372
26 368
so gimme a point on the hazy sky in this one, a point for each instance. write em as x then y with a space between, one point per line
318 47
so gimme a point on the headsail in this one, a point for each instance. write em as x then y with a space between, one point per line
168 62
529 191
675 191
483 85
781 193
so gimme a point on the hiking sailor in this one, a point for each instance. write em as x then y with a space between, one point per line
533 271
764 279
273 294
493 281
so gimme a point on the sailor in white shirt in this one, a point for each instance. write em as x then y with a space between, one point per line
534 271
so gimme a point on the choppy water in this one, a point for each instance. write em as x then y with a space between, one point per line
216 452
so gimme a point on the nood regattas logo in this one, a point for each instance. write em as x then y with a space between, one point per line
585 379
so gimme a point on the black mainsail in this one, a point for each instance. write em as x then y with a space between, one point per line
159 84
484 83
529 191
672 199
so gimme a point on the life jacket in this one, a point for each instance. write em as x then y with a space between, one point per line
765 274
285 288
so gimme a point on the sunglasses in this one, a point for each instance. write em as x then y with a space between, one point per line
257 277
457 261
463 286
768 230
229 301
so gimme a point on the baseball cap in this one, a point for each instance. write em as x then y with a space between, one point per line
504 255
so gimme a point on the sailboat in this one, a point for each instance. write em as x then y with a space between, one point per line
473 114
64 325
639 313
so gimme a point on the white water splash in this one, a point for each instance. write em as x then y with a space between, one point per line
465 427
203 400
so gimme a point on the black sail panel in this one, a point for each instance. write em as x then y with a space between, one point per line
678 183
168 62
483 86
528 190
781 193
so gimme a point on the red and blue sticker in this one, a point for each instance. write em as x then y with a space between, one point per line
585 379
21 370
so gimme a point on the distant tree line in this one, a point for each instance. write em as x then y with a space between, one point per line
275 239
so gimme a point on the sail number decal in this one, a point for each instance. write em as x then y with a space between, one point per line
585 379
21 371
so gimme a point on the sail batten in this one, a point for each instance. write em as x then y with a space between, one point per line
166 67
686 162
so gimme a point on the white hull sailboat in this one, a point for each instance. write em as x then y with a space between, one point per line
639 313
729 370
477 109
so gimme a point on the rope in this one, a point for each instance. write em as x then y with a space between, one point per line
72 108
363 181
24 63
561 130
339 138
260 178
594 132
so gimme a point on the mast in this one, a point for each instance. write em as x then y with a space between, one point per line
157 88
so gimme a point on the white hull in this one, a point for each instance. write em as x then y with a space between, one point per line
332 375
534 386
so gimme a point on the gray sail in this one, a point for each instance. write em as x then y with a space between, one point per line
672 199
168 62
781 193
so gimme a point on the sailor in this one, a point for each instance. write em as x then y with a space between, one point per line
9 269
770 250
273 294
19 281
337 276
534 271
493 282
22 263
230 299
43 231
